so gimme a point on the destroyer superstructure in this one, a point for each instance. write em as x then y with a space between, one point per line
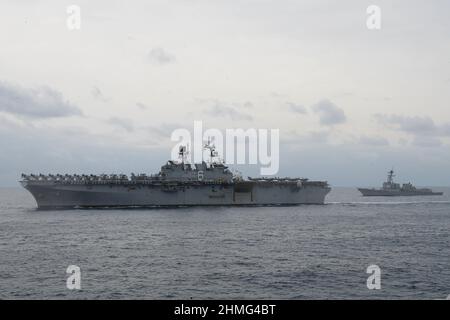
178 183
390 188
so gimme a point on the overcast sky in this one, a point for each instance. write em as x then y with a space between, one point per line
350 102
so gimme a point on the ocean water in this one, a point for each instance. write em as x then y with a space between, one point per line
302 252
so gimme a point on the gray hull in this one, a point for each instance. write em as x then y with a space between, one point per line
387 193
49 195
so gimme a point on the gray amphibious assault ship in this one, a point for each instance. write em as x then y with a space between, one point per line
177 184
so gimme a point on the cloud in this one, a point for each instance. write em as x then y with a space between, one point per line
40 102
415 124
222 110
164 130
122 123
248 105
424 130
278 95
373 141
160 56
329 113
445 129
307 138
426 142
141 106
98 95
296 108
318 136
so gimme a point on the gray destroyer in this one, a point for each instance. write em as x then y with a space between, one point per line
177 184
390 188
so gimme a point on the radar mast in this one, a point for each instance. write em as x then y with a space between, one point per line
391 176
183 153
213 154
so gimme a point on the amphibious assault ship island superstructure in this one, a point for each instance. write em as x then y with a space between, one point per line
390 188
179 183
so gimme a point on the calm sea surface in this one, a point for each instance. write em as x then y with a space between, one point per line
303 252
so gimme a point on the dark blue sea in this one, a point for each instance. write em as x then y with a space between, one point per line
302 252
